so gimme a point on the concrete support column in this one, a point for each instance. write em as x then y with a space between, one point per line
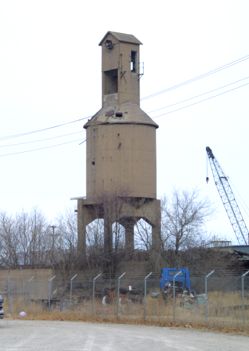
107 236
156 237
81 223
129 235
156 227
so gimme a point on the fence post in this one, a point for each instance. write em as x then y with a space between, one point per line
10 297
29 287
50 282
145 293
71 288
93 299
119 278
174 294
206 293
243 294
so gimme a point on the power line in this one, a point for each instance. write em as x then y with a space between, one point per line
201 76
200 101
43 129
163 114
199 95
204 75
158 109
43 148
39 140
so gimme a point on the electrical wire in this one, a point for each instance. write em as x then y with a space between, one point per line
163 114
39 140
200 101
204 75
199 95
196 78
43 129
43 148
161 108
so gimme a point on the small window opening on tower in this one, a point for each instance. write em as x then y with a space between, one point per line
111 82
133 61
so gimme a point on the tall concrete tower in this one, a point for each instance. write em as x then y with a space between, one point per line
121 150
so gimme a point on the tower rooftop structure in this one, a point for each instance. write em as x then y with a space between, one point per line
121 37
123 77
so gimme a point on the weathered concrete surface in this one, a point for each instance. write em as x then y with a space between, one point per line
77 336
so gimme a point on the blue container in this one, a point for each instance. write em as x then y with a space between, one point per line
182 280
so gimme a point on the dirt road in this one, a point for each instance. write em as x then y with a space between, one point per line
23 335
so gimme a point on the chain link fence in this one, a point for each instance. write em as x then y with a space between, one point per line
214 299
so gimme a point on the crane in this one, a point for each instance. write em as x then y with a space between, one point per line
228 199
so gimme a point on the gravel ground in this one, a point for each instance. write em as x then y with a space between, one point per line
20 335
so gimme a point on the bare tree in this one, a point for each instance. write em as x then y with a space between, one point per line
183 217
63 247
9 241
31 231
27 239
23 239
118 236
143 235
95 235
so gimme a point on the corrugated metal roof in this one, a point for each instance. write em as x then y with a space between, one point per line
122 37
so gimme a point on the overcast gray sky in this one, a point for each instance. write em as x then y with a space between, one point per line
195 86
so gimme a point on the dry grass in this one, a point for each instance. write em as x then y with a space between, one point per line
224 313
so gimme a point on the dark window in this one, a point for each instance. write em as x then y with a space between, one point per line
111 82
133 61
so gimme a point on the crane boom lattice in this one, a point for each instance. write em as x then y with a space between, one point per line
228 199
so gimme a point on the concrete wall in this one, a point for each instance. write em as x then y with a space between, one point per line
121 159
